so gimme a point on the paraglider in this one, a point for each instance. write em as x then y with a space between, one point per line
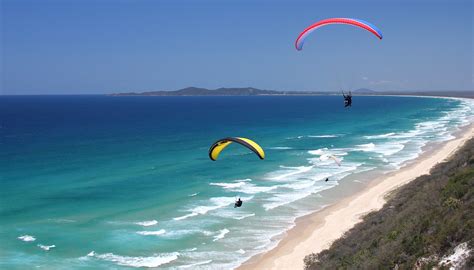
221 144
238 203
338 162
325 157
347 99
348 21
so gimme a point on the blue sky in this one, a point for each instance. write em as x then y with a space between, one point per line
105 46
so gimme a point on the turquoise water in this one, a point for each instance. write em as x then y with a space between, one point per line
118 182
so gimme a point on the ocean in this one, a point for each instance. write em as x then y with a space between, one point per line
90 182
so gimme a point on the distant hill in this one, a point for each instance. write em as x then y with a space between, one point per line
196 91
247 91
364 91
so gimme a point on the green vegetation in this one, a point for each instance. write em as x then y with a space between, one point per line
422 222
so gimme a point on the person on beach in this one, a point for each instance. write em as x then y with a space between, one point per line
238 203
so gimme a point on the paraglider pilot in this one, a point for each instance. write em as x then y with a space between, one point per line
347 99
238 203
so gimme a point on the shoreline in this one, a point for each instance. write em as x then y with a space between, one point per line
315 232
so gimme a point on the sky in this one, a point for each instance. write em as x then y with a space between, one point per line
109 46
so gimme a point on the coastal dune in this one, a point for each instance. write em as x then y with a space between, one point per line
316 232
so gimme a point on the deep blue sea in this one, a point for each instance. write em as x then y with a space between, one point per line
90 182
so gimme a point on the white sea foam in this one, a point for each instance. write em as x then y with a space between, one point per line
152 261
286 198
207 233
147 223
317 152
324 157
316 136
253 189
244 187
243 180
176 234
228 185
365 147
300 186
386 149
241 251
27 238
324 136
155 233
194 264
221 235
214 203
193 214
280 148
47 248
408 134
243 216
380 136
290 171
430 125
194 194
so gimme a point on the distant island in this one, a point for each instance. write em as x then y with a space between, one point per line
250 91
196 91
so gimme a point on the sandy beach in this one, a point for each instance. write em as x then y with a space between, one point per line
315 232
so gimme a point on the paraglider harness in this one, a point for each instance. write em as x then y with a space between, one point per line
238 203
347 99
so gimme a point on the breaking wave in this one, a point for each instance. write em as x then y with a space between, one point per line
147 223
152 261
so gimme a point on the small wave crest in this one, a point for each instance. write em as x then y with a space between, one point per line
155 233
315 136
27 238
380 136
317 152
228 185
194 264
243 216
244 187
325 136
46 248
216 203
152 261
147 223
221 235
280 148
243 180
386 149
290 171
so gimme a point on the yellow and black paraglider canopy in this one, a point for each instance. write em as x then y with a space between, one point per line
219 145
